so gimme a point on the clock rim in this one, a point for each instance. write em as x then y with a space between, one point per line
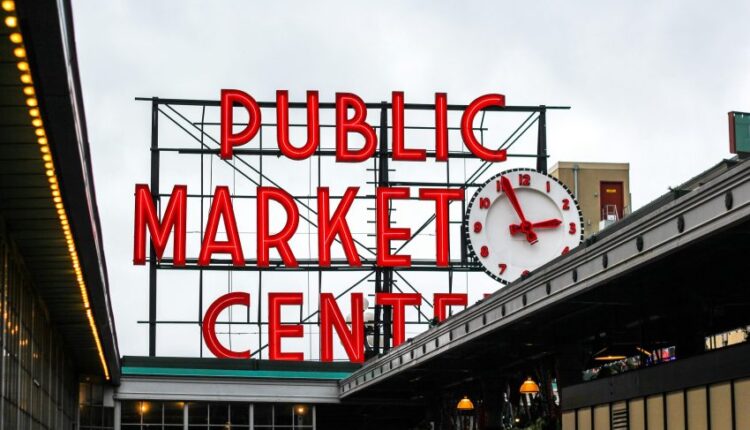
467 233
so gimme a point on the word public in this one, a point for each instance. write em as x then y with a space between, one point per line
350 118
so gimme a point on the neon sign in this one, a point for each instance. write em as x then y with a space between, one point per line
350 118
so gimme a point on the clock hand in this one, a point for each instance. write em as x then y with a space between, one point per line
525 227
507 188
528 228
550 223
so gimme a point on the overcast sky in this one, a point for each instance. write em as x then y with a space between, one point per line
649 83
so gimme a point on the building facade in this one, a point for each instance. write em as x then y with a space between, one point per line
602 191
59 346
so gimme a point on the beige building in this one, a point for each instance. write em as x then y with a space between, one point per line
602 191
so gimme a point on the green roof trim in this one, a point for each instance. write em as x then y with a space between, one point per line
232 373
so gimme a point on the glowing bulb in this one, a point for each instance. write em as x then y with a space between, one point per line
42 140
50 173
48 166
23 66
47 157
19 52
44 149
11 21
32 102
26 78
39 132
8 5
16 38
34 112
36 122
29 91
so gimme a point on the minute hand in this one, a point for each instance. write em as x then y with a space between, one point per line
511 193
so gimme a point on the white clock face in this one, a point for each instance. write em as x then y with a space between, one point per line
519 220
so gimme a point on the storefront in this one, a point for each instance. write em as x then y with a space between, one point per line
57 325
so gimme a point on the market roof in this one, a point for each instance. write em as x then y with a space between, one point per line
47 195
672 265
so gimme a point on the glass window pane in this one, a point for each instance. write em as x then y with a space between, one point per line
283 414
197 413
130 413
302 415
262 414
218 413
240 414
151 412
173 412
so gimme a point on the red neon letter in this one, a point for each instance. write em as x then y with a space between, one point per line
221 208
276 330
280 240
229 139
282 126
442 301
147 216
336 225
467 127
384 231
441 126
399 301
399 152
209 324
357 124
331 318
442 197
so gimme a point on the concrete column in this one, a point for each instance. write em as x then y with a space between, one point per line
118 415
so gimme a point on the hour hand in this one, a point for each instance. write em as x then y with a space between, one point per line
550 223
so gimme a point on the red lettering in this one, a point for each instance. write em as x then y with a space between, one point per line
442 197
385 233
229 139
398 301
282 126
280 240
352 340
221 208
443 300
399 151
209 324
356 124
276 330
328 229
467 127
441 127
146 215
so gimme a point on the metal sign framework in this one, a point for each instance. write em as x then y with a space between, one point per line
385 279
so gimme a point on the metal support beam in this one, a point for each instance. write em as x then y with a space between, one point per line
541 143
152 257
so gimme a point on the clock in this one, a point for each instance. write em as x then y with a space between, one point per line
519 220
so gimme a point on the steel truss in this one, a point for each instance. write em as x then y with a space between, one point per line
385 279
